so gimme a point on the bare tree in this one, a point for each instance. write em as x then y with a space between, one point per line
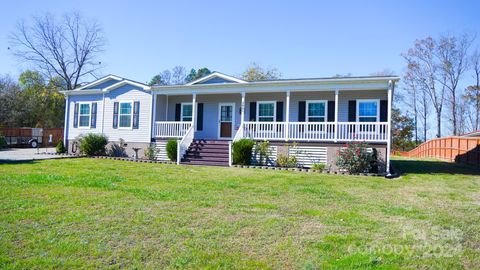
472 95
255 72
452 53
178 75
68 48
411 102
423 64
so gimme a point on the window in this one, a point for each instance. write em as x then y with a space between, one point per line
368 110
84 115
316 111
266 111
187 110
125 115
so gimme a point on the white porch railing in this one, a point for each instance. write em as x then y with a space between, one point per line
171 129
264 130
369 132
184 143
308 131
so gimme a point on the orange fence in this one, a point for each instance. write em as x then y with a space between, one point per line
457 149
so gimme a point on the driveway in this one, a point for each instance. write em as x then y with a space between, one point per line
25 154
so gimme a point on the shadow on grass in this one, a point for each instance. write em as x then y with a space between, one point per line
9 161
412 166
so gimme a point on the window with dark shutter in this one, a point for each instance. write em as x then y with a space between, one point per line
200 116
383 110
75 116
253 111
331 111
93 118
136 114
301 111
352 111
115 115
178 108
279 111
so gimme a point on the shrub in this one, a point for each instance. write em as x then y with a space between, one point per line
286 161
355 158
3 142
60 148
93 144
242 151
172 150
118 149
151 152
263 151
318 166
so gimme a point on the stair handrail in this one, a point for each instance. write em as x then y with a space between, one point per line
238 134
184 143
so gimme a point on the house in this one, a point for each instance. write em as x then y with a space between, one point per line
311 118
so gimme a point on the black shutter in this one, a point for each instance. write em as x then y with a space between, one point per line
75 116
331 111
253 111
279 111
115 114
301 111
383 110
136 114
178 108
352 111
200 116
93 118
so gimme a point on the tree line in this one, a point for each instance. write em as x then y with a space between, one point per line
432 85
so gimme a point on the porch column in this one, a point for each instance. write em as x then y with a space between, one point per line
194 111
287 117
153 116
335 132
242 110
389 120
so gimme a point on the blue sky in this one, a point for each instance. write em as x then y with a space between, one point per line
300 38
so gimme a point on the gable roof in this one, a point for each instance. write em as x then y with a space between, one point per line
228 78
88 88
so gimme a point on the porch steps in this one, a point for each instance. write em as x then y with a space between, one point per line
207 152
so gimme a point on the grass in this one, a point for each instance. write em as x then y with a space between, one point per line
90 213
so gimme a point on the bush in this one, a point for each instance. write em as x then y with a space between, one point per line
172 150
151 152
355 158
118 149
242 151
318 166
263 151
3 142
286 161
60 148
93 144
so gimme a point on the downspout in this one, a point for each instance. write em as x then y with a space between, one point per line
65 128
103 111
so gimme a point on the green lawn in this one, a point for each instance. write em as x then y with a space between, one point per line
93 213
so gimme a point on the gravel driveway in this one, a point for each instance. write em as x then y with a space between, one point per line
24 154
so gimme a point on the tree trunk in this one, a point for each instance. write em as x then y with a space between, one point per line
454 114
439 124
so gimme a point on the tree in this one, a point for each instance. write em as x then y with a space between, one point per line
197 74
453 63
422 63
472 94
67 48
402 131
11 109
255 72
162 78
178 75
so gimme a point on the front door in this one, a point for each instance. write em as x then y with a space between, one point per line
226 117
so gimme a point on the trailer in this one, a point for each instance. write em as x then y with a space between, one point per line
23 137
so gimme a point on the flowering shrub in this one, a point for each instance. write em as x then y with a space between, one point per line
355 158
